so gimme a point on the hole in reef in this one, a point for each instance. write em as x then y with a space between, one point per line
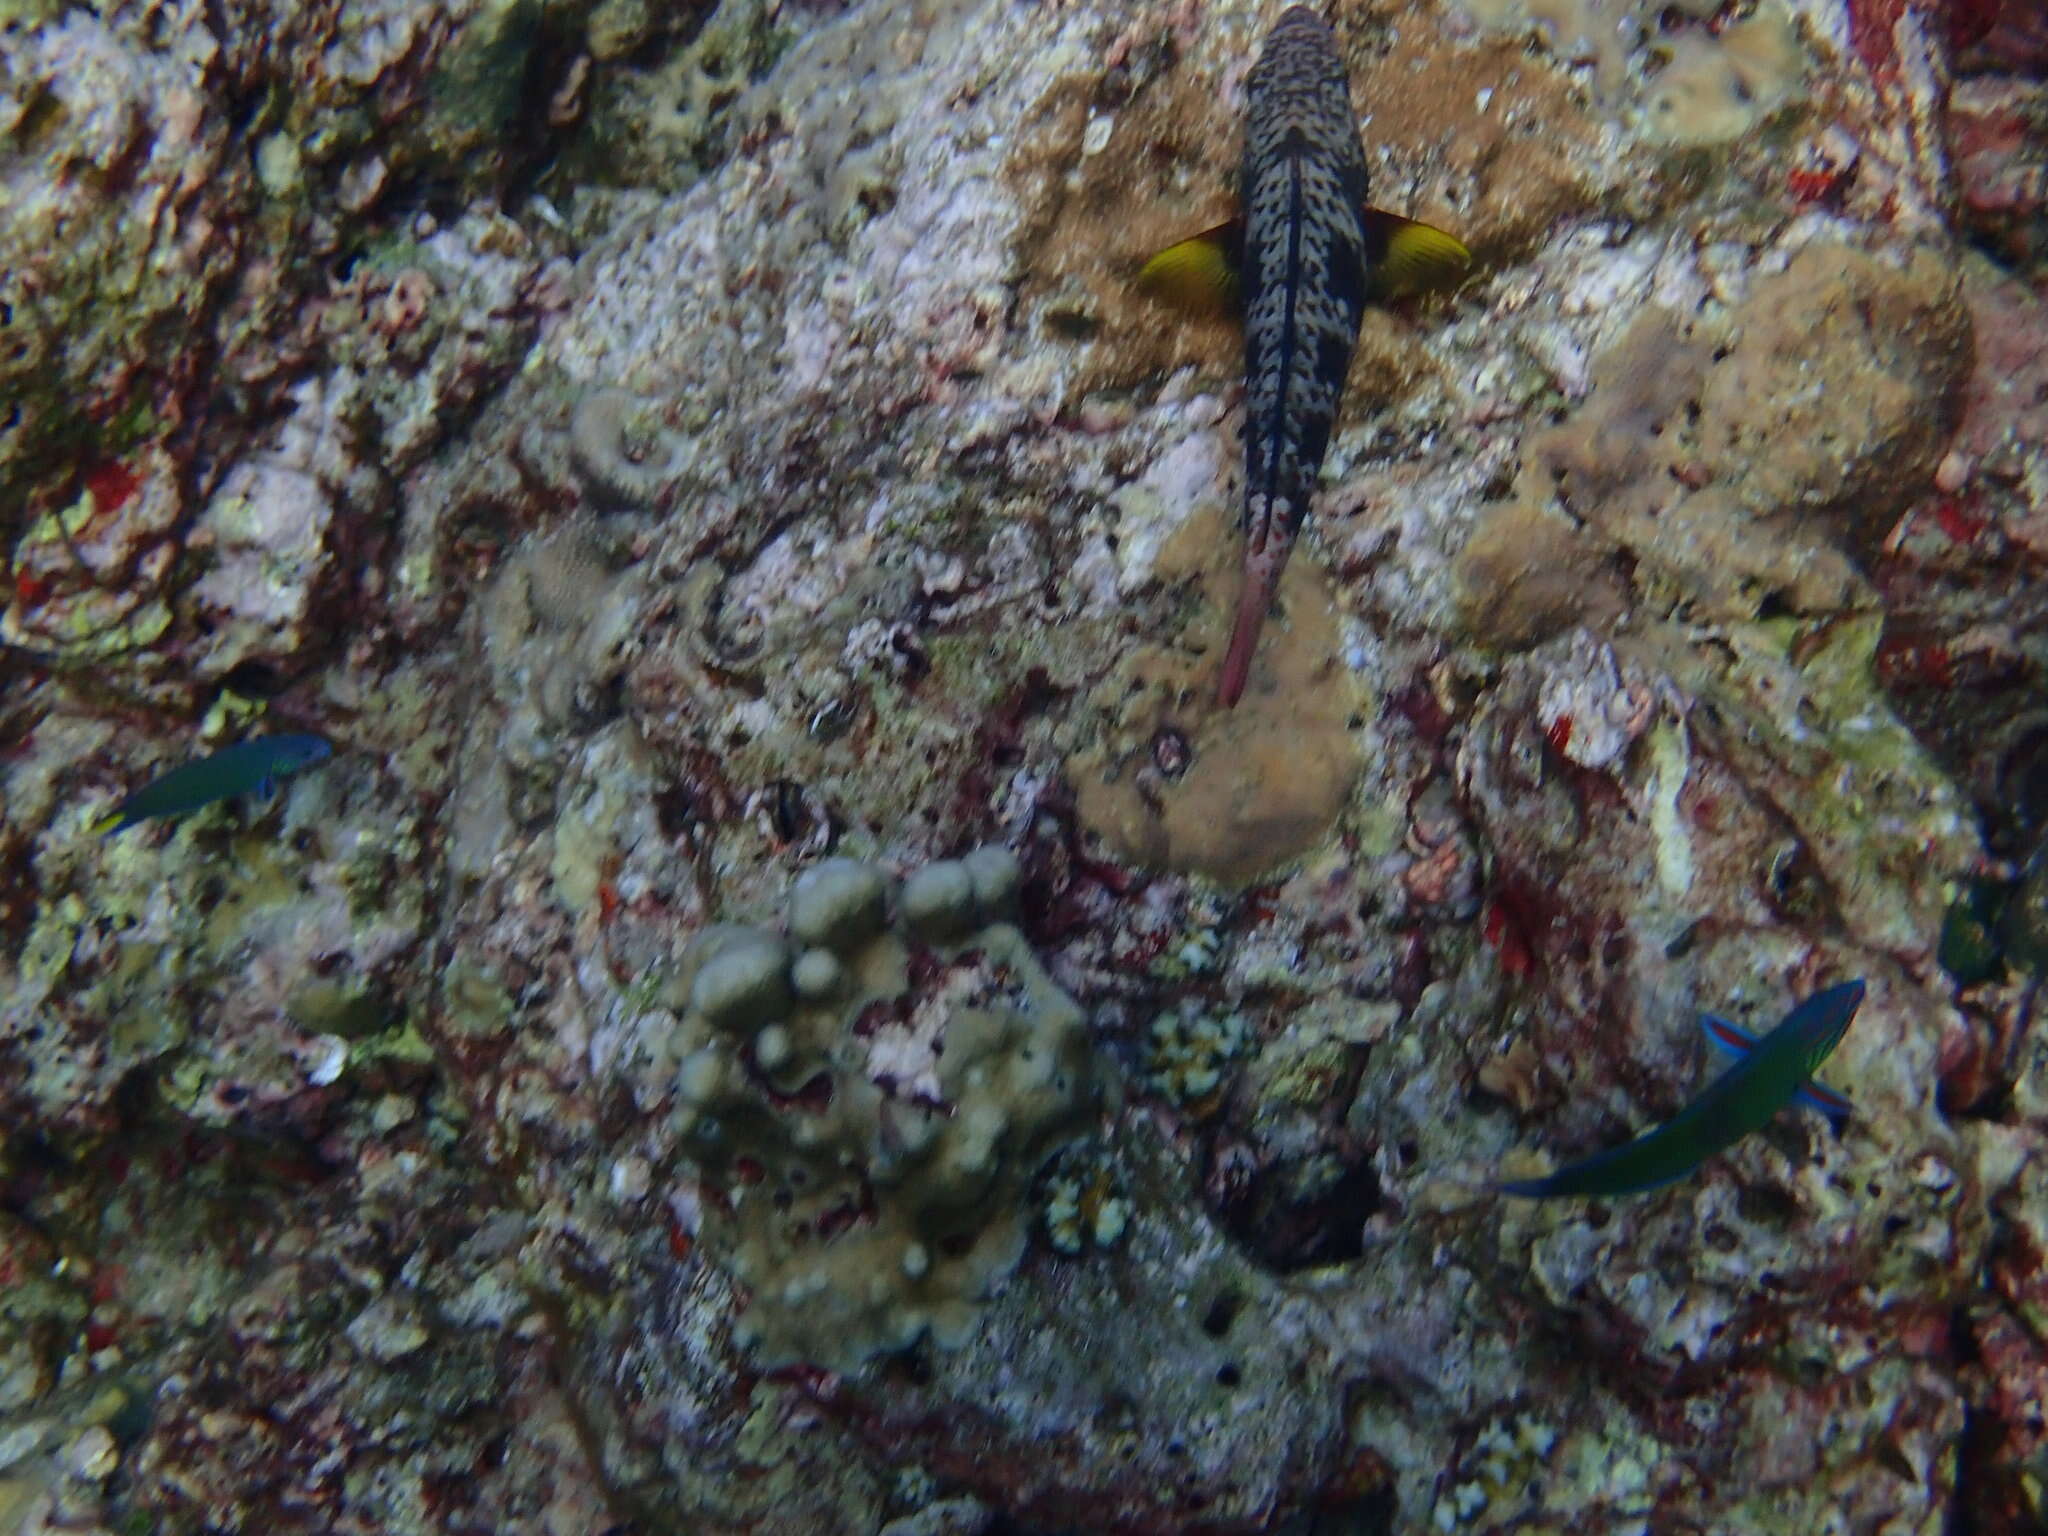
1070 324
1773 605
1287 1234
1228 1375
253 679
1373 1513
1222 1313
1767 1206
2022 778
909 1367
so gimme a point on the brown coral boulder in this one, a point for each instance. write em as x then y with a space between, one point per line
1837 396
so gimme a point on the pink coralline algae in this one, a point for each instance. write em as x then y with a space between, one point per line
1873 25
2008 37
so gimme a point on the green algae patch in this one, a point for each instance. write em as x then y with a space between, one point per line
1804 718
267 877
475 93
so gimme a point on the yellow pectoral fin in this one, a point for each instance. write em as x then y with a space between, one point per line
1199 275
1414 258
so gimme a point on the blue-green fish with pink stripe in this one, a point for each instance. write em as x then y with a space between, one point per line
247 767
1769 1074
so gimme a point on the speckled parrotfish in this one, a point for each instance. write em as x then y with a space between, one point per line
1772 1073
246 767
1303 259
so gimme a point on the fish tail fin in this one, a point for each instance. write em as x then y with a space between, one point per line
1261 579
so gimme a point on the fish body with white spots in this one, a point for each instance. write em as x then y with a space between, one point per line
1298 266
1303 276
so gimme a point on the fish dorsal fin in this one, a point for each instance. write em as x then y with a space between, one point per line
1411 257
1198 275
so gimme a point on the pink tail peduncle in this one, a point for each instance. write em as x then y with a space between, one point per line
1260 578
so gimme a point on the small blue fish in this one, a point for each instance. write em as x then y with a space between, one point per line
248 767
1771 1073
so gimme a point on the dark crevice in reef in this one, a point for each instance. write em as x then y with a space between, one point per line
1373 1514
1285 1234
1990 1499
1975 710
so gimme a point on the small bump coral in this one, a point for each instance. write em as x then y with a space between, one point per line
868 1096
1187 1052
1084 1202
